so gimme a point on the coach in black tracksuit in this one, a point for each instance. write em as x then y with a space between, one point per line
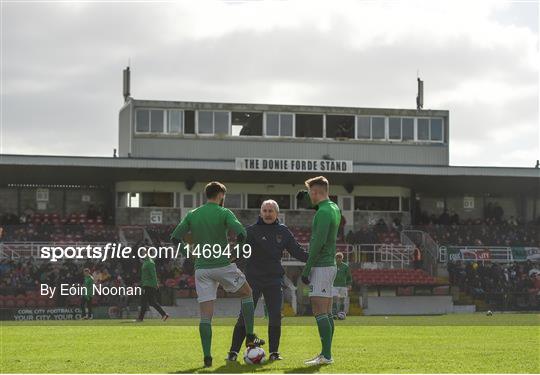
268 238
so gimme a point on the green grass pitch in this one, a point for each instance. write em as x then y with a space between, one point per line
472 343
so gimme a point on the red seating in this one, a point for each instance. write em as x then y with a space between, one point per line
392 277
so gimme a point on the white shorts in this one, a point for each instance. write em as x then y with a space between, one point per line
321 281
207 281
340 291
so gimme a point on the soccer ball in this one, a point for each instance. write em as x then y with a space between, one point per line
341 315
254 356
489 313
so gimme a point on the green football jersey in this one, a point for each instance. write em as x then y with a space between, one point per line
343 275
89 285
148 273
209 225
324 230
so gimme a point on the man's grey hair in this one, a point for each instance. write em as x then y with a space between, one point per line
271 202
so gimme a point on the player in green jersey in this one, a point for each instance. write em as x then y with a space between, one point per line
320 269
208 225
342 284
88 293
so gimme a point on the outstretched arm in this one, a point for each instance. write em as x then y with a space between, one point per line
294 248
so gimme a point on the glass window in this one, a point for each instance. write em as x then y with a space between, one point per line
377 128
436 129
423 129
279 124
206 119
309 126
272 124
176 121
188 201
363 130
408 129
143 120
233 200
157 117
221 122
394 128
286 125
339 126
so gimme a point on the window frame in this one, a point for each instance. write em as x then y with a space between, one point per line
400 139
429 140
150 109
385 138
168 121
293 133
213 134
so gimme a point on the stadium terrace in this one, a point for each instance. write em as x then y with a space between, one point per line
389 173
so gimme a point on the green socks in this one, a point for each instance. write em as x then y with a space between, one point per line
331 320
248 311
325 332
205 330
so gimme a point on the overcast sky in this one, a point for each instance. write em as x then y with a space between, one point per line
62 65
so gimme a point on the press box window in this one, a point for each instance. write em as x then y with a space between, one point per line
423 129
175 121
378 128
394 128
149 121
247 123
308 126
213 122
279 124
407 126
436 129
339 126
363 127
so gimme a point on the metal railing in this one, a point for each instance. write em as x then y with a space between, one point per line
388 254
428 248
496 254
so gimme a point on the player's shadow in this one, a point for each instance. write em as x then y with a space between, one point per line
304 370
227 368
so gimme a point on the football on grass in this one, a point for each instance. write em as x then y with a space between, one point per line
254 356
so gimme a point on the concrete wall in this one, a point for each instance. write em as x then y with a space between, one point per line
410 305
228 148
125 130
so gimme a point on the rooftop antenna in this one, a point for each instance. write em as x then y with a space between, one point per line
420 94
127 82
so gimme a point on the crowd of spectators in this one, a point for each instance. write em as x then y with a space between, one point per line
22 275
499 285
484 232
